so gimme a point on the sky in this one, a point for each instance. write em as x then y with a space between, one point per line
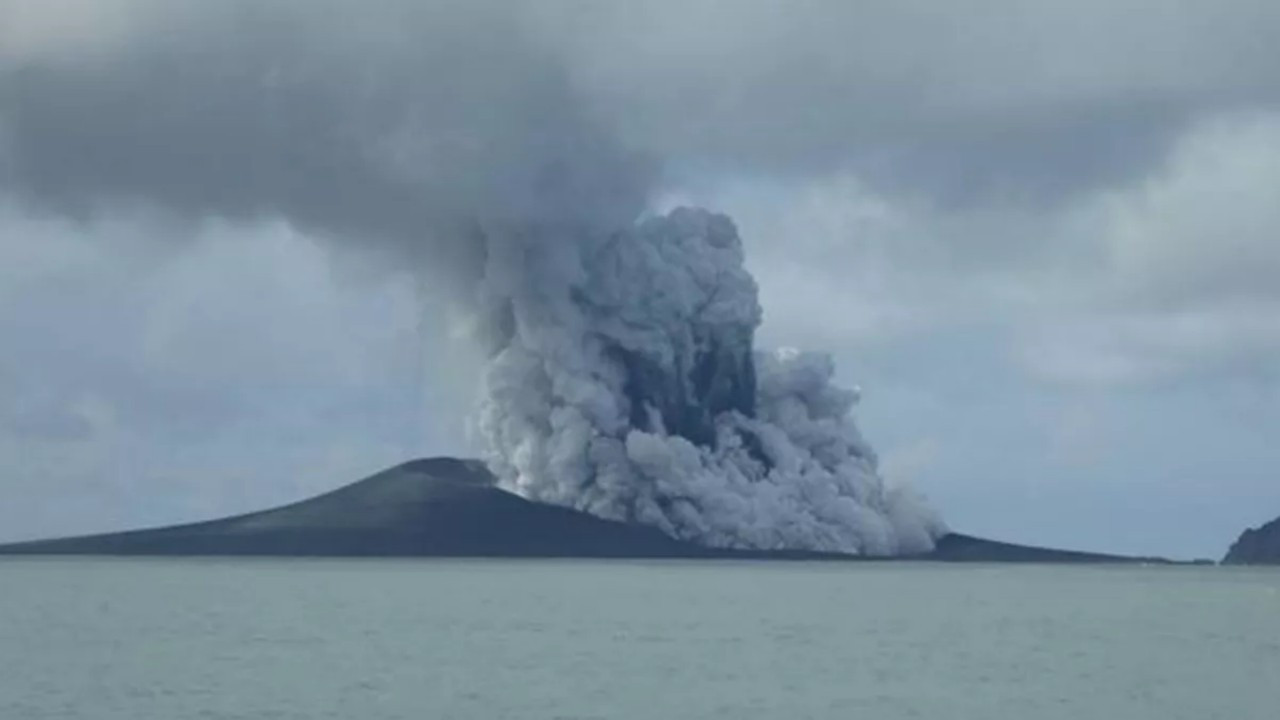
1040 238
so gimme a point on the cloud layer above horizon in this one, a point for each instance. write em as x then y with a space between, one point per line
1042 238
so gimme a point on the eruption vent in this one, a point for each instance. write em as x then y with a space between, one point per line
624 382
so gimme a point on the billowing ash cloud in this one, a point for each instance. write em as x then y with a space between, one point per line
626 384
622 377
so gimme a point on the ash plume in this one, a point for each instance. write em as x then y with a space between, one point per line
626 384
621 374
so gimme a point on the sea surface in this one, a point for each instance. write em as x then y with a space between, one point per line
126 639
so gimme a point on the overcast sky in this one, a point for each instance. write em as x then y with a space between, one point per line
1043 238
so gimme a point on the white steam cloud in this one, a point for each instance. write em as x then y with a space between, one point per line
621 376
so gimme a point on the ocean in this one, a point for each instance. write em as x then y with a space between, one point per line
181 639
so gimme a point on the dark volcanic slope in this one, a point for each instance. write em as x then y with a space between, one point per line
451 508
956 547
1256 546
437 507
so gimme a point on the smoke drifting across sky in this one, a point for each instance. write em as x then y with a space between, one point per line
929 171
622 378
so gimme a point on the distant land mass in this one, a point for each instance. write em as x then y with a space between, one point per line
446 507
1256 546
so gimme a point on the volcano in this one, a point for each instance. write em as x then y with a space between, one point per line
447 507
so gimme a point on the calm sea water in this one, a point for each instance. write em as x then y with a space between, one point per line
184 639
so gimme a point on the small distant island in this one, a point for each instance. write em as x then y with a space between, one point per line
1256 546
447 507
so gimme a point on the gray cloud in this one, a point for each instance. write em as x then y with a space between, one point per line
378 122
50 423
393 128
1004 204
962 101
1152 281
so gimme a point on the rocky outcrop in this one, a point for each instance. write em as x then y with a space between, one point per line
1256 546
